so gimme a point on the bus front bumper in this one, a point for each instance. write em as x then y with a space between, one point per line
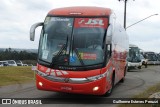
97 87
132 64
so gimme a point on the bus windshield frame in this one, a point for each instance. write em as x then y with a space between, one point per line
68 42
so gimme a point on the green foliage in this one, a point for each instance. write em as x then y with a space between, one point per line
8 54
33 62
145 94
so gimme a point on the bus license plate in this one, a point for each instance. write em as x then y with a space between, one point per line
66 88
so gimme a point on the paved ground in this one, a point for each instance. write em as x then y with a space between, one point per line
136 81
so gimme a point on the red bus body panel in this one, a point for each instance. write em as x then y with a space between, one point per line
85 88
81 11
115 65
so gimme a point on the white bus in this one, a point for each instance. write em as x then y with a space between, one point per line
152 58
134 57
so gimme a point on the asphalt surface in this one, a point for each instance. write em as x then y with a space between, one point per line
136 81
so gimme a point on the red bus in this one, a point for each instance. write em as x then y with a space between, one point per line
81 50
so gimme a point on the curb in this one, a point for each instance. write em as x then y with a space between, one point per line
155 95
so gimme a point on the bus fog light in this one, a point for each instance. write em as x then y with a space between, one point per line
40 83
95 88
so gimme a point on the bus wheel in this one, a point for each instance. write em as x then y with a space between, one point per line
109 92
125 71
139 67
145 65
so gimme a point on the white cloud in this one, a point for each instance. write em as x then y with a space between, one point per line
17 16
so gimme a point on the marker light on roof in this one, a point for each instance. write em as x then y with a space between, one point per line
75 13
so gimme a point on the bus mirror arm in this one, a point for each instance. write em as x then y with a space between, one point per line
32 30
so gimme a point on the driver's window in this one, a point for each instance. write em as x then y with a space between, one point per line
108 51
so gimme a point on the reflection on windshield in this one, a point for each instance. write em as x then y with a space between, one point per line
56 32
88 42
75 44
61 56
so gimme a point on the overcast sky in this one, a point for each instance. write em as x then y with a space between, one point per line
17 16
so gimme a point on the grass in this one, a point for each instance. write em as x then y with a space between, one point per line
149 91
144 94
15 75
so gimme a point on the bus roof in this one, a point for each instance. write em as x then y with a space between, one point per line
81 11
149 52
132 45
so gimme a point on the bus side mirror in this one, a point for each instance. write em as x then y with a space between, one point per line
32 30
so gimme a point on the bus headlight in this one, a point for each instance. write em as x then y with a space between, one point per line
40 83
95 88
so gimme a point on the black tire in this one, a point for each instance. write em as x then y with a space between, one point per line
139 67
146 65
143 63
128 69
109 92
125 71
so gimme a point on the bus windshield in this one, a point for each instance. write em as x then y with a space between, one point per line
151 57
158 57
134 55
73 41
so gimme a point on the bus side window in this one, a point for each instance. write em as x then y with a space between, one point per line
108 51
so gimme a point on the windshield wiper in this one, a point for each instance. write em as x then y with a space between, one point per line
79 57
77 53
56 59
